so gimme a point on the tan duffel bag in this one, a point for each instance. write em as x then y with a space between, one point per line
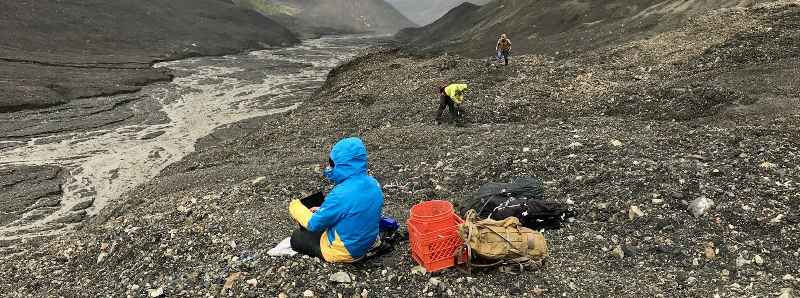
502 240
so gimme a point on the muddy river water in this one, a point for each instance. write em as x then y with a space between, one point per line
98 164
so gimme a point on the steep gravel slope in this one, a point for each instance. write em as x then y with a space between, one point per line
551 26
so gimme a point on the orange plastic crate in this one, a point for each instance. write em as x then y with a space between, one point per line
434 244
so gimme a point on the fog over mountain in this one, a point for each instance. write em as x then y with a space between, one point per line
310 18
425 12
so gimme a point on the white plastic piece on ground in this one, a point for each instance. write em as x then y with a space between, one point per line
283 249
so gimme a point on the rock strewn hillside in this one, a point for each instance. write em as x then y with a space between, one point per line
550 26
54 51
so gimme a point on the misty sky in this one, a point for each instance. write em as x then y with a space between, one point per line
424 12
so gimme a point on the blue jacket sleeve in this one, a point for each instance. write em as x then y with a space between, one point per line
328 214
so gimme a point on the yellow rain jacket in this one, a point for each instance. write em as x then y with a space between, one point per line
456 92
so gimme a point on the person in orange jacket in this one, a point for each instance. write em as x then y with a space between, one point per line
503 48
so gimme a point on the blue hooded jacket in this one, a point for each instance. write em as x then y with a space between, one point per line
352 210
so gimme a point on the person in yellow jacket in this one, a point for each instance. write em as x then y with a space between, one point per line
451 96
346 226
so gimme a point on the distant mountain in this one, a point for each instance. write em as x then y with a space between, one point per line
425 12
314 17
53 51
549 26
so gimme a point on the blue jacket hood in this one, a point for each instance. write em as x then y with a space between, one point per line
349 157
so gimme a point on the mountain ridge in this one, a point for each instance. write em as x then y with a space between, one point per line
551 26
311 18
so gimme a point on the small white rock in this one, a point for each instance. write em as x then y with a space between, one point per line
699 206
758 260
787 293
615 143
767 165
155 292
341 277
634 212
741 261
575 145
308 293
252 282
418 270
258 180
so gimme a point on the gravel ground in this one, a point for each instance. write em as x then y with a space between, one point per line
706 111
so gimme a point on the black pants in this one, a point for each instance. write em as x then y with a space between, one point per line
306 242
504 54
446 101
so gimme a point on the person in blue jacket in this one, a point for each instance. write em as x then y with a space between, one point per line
346 226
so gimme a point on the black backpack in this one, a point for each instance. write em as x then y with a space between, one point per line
523 198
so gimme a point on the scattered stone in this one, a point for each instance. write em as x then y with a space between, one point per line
252 282
574 145
699 206
788 277
526 149
364 293
101 257
787 293
155 292
341 277
758 260
767 165
418 270
741 261
618 252
777 219
308 293
657 201
282 295
538 292
711 251
437 284
634 212
258 180
230 282
615 143
696 157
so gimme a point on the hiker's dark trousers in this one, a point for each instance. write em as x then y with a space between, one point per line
503 56
306 242
446 101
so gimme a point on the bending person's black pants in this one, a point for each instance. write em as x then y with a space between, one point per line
446 101
306 242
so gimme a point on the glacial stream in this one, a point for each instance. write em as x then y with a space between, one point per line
100 165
